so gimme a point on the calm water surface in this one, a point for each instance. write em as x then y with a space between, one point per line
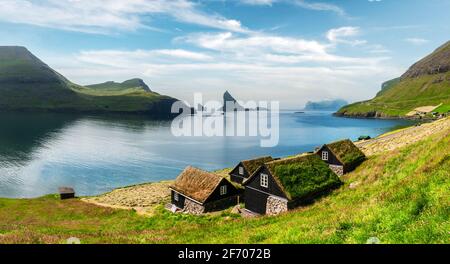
40 152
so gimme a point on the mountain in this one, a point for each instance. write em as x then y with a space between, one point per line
326 105
28 84
229 99
426 85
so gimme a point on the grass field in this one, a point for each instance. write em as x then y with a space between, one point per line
401 196
443 108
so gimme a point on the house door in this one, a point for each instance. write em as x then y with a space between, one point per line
255 201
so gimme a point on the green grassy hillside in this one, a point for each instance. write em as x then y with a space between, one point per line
136 84
400 196
28 84
426 83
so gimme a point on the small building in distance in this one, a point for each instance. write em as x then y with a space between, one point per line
246 168
196 192
342 156
281 185
66 193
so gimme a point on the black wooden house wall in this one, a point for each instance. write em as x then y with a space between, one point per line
256 195
236 177
231 191
181 199
332 160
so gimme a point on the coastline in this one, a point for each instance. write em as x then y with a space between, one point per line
384 117
223 172
131 197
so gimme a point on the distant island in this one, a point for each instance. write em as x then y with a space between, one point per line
326 105
422 91
28 84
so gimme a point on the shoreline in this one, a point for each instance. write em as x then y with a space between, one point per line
412 118
223 172
387 141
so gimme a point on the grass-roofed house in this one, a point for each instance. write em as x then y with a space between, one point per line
342 156
280 185
246 168
196 191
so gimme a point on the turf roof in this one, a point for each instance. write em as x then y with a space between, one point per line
346 152
302 176
197 184
252 165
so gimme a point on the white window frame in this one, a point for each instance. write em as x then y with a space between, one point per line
241 170
264 180
176 196
223 190
325 155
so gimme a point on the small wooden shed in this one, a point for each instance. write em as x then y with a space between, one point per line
66 193
196 191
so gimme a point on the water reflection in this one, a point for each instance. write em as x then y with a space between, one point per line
95 154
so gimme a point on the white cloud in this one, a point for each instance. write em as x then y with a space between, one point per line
255 66
306 4
105 16
319 6
258 2
229 42
417 41
184 54
342 35
127 59
265 48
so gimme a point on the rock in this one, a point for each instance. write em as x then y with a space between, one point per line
191 207
276 205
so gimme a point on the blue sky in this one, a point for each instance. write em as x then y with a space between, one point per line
286 50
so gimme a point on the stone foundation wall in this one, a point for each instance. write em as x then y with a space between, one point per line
276 205
339 170
191 207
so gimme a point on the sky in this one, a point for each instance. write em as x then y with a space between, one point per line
291 51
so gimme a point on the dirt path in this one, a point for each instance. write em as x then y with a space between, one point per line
403 137
142 198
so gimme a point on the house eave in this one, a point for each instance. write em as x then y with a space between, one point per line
187 197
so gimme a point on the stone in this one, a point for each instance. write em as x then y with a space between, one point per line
339 170
276 205
191 207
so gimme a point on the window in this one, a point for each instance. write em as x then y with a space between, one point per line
264 180
223 190
241 170
324 155
176 197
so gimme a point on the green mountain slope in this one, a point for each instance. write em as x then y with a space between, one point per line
28 84
426 83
